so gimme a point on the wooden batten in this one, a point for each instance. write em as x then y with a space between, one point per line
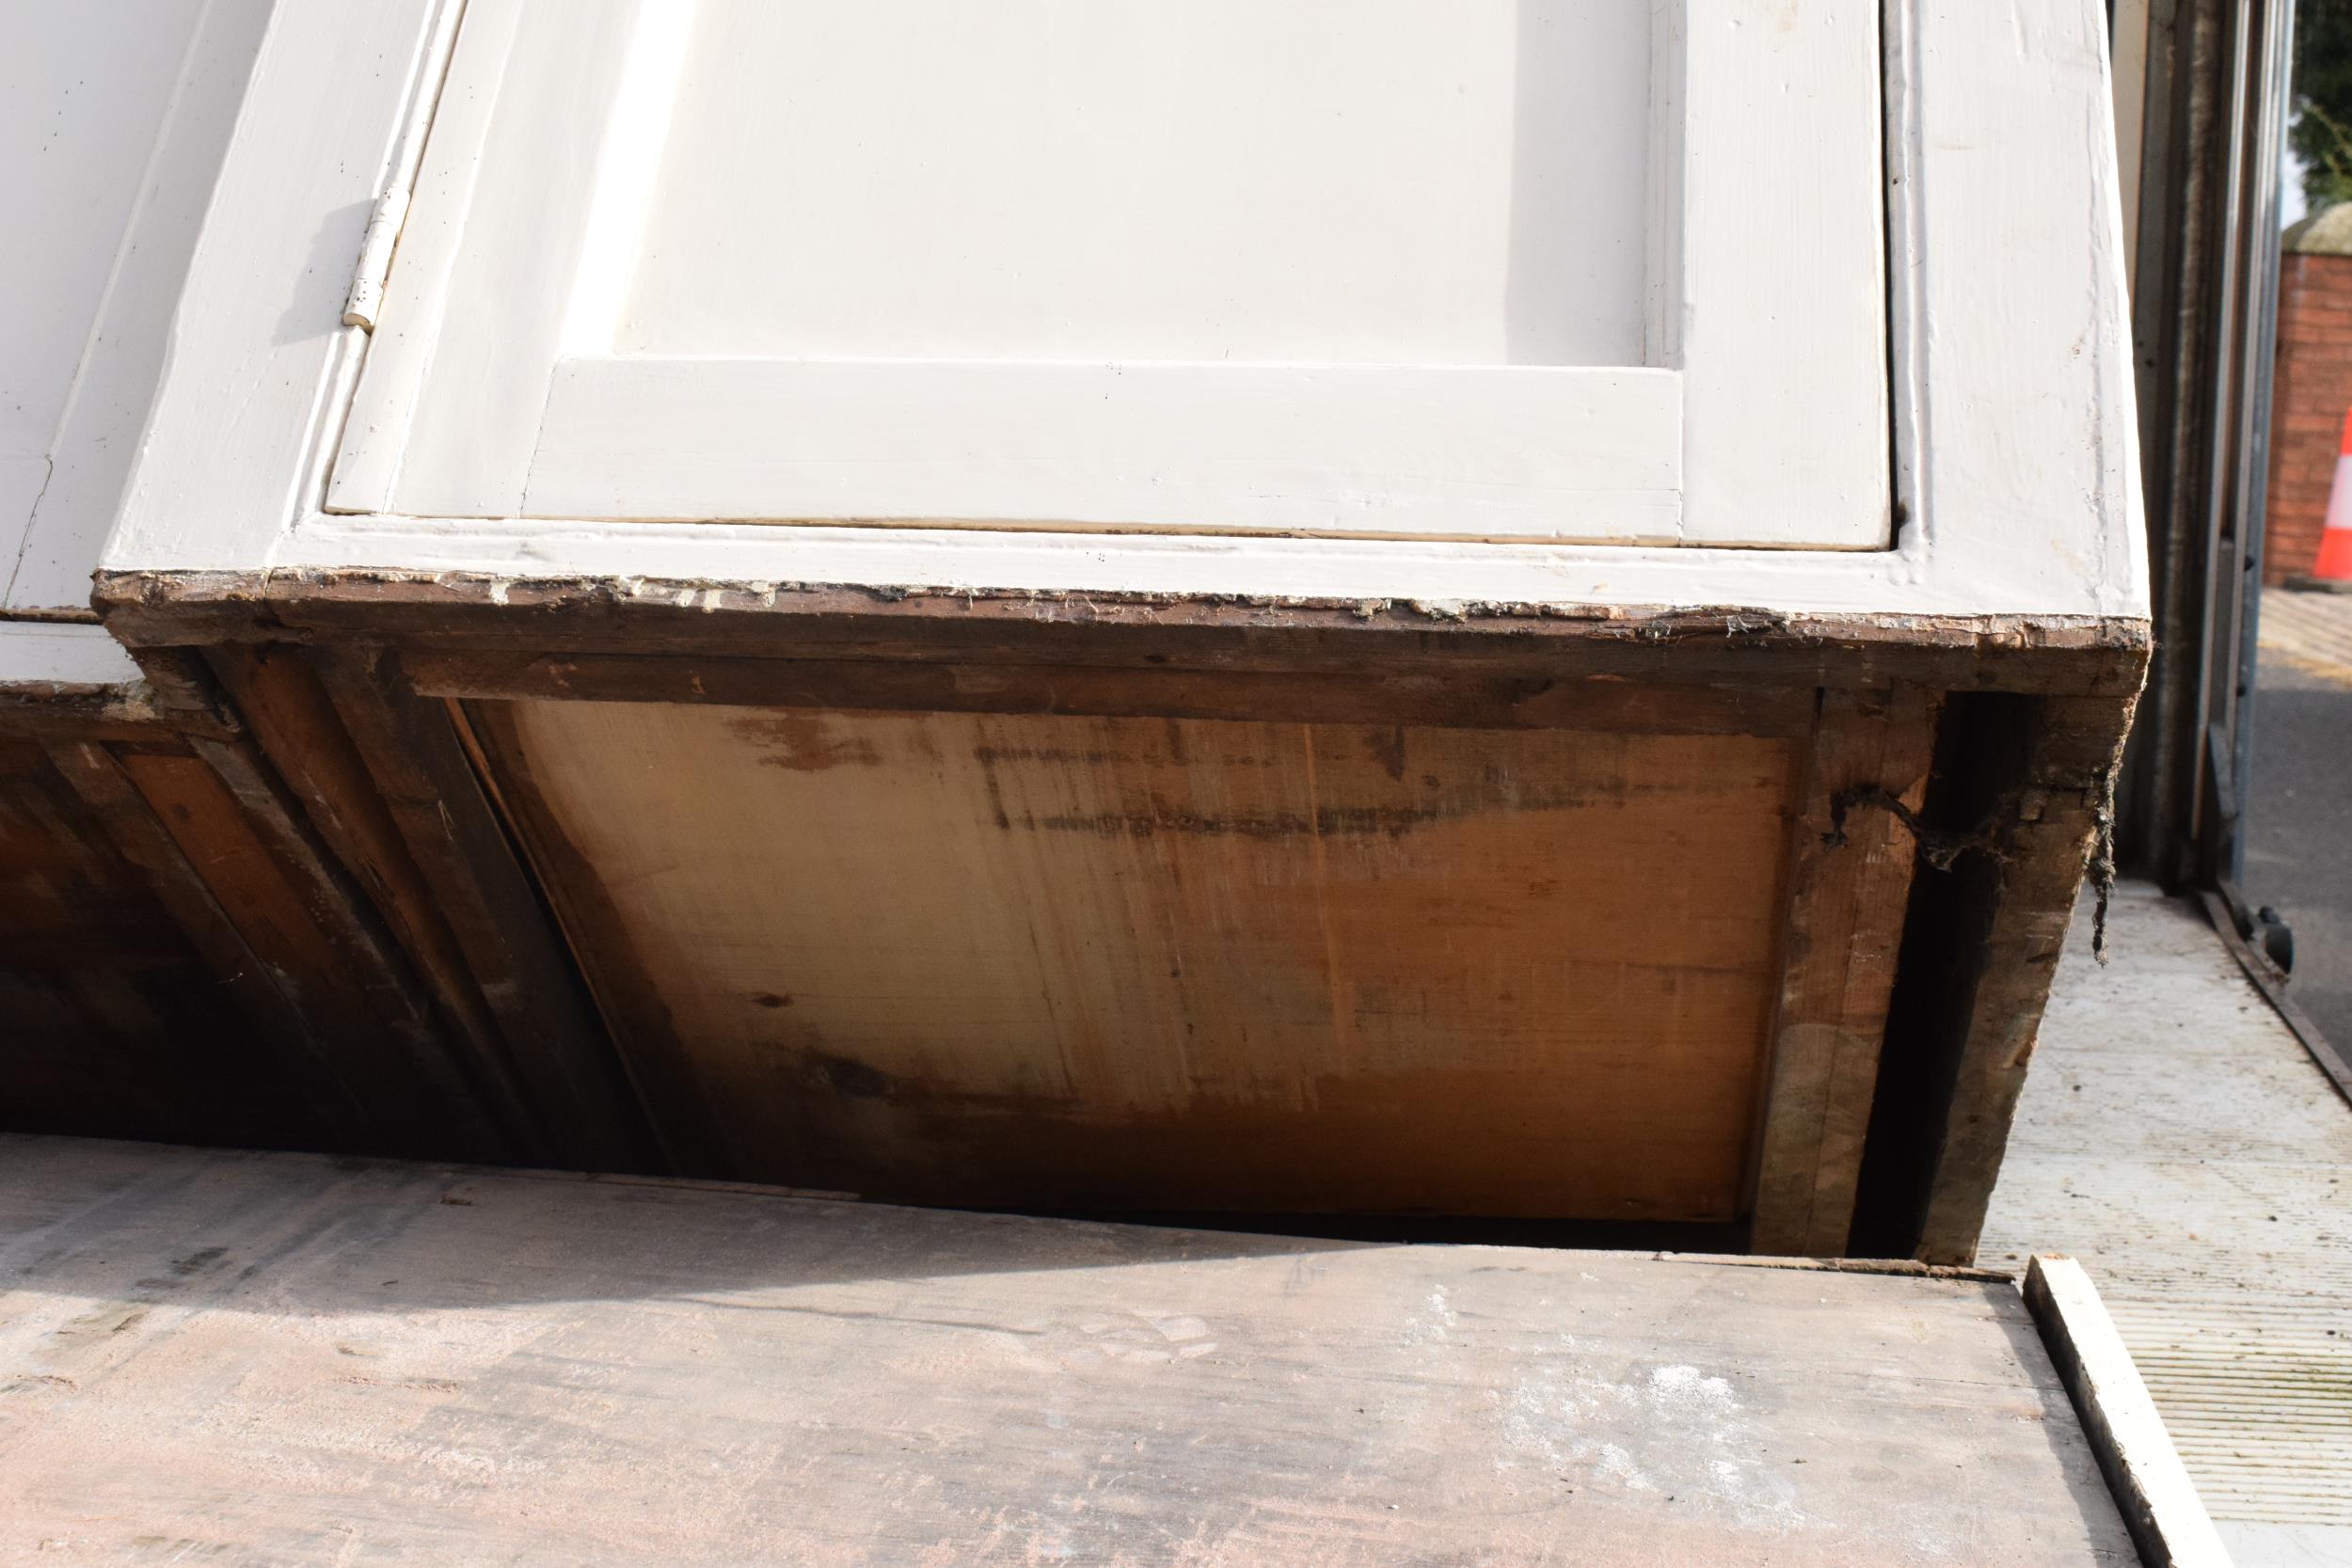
134 1005
549 1070
187 962
1851 870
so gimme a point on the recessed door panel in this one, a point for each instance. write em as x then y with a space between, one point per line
1479 269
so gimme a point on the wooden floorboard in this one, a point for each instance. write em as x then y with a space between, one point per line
236 1358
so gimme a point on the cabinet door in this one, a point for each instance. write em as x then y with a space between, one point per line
1573 270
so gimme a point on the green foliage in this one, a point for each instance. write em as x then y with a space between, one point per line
2322 133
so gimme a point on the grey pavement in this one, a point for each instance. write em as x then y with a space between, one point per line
2299 849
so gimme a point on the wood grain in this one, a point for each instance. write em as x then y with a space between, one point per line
476 611
278 694
549 1071
1850 873
2060 766
130 1004
245 1358
1117 962
1155 690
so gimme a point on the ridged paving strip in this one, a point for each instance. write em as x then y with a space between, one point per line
2175 1138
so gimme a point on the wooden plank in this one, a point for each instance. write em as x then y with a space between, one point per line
311 927
117 1021
1366 697
2158 1501
107 786
282 1359
2026 784
554 1069
1850 874
782 619
278 694
2066 792
61 658
1059 961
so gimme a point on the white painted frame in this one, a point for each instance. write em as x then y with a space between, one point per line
492 388
2016 473
56 506
2152 1487
62 658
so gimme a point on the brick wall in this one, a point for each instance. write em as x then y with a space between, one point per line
2312 391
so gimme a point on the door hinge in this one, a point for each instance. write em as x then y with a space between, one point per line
365 303
366 300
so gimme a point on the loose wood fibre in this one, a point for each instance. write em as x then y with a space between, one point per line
1138 962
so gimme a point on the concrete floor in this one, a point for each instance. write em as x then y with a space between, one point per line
2176 1138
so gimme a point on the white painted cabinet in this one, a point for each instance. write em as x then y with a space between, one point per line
1432 269
114 115
1327 605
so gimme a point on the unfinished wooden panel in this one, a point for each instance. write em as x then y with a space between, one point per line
112 1019
1103 961
271 1359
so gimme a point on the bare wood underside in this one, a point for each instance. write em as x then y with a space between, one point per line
180 958
287 1360
1175 963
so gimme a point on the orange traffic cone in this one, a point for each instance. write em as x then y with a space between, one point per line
2333 569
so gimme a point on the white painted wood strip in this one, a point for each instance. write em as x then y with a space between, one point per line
248 387
48 657
447 407
2017 441
740 562
1476 453
2158 1501
114 387
1782 321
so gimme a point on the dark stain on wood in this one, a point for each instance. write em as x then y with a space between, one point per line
805 743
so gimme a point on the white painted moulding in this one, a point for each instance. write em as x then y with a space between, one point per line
40 658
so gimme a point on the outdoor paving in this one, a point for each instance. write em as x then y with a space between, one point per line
2177 1139
2298 815
2311 632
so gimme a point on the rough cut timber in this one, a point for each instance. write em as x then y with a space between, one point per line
570 530
181 954
238 1357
